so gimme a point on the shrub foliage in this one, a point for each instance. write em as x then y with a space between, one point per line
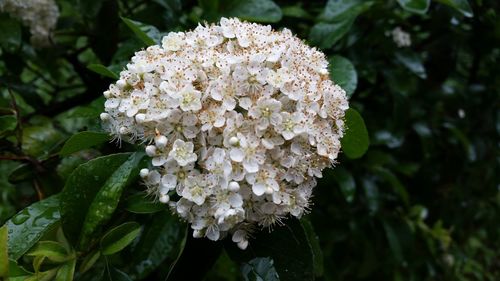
414 196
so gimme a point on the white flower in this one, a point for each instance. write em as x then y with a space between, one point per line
266 111
182 152
401 37
40 15
173 41
291 125
248 152
189 98
196 190
279 77
239 121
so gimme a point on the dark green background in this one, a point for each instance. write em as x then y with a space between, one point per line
422 203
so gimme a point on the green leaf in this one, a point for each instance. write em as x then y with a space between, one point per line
313 240
7 123
260 269
66 271
83 140
43 276
355 141
162 239
51 250
91 185
412 62
201 254
148 34
119 237
397 186
21 173
29 225
324 35
295 11
287 245
89 261
338 10
116 275
11 32
106 200
40 140
460 5
4 254
393 239
16 270
103 70
140 204
253 10
343 73
346 182
415 6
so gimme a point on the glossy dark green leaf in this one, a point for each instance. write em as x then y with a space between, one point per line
119 237
346 182
343 73
81 189
21 173
83 140
40 140
325 35
114 274
160 242
103 70
412 62
355 141
295 12
51 250
338 10
201 254
253 10
11 32
395 184
66 271
462 6
259 269
89 261
106 200
48 275
148 34
7 123
4 254
141 204
287 245
29 225
371 193
393 239
17 271
415 6
313 240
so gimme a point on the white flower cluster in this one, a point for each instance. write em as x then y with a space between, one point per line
239 121
40 15
401 37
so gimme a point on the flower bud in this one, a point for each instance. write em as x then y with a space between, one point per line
234 186
164 198
151 150
161 141
233 141
121 83
124 130
104 116
144 173
140 118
